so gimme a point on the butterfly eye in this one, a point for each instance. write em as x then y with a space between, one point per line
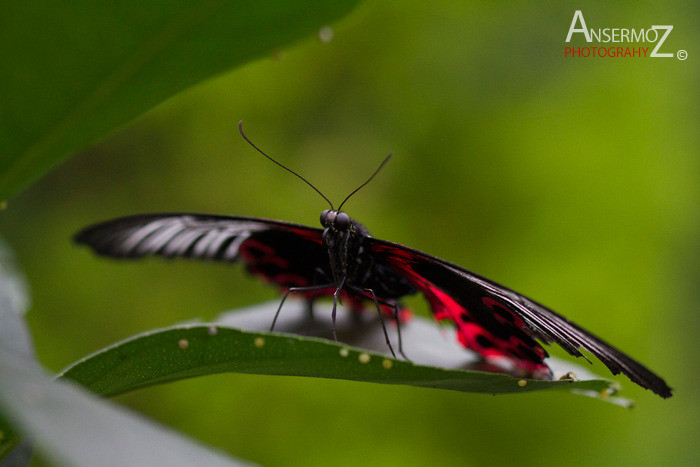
324 218
342 221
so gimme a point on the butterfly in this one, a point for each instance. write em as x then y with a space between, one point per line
344 261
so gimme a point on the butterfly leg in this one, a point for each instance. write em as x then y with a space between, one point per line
381 320
297 289
395 306
335 305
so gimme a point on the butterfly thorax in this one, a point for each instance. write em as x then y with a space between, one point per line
343 238
350 259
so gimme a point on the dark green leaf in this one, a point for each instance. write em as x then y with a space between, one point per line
71 73
186 351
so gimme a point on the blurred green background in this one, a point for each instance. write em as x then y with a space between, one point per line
574 181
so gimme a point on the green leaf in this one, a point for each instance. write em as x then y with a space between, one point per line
71 73
71 426
14 301
189 350
74 427
14 338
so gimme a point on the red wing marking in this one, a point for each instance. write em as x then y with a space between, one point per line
290 257
257 254
285 256
483 324
311 235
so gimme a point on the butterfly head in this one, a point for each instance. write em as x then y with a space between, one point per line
335 220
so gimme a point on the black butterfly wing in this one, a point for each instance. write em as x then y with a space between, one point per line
498 322
289 255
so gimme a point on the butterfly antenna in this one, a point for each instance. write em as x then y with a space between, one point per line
240 128
368 180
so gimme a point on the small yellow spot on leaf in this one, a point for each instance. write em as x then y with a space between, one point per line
3 205
344 352
364 358
325 34
259 342
386 363
183 343
522 383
